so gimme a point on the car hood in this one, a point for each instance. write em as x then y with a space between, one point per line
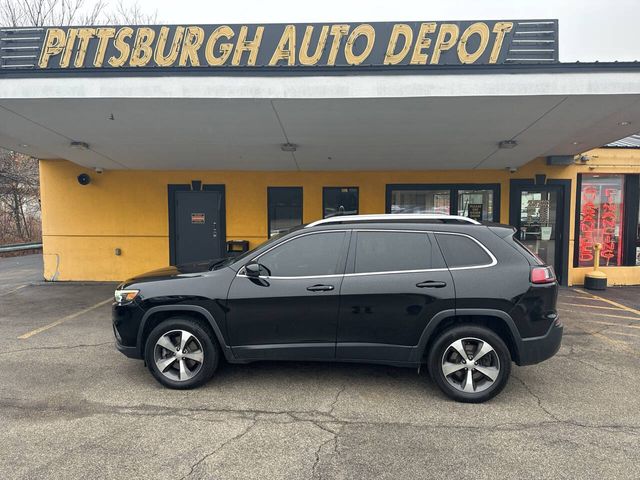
187 270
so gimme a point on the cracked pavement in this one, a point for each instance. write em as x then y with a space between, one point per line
71 406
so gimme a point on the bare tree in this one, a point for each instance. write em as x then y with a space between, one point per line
38 13
19 182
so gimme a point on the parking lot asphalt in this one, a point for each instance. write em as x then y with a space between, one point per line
71 406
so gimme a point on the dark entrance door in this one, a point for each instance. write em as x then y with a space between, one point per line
199 231
538 213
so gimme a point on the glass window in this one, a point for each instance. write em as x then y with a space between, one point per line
392 251
461 251
476 204
539 223
421 201
285 208
308 255
339 201
601 210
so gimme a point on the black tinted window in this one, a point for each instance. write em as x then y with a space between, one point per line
392 251
460 251
339 201
316 254
285 208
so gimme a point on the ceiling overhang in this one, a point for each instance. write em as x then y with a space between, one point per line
351 122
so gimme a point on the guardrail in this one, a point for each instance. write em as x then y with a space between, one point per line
17 247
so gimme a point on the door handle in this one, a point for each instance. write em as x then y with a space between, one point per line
431 284
320 288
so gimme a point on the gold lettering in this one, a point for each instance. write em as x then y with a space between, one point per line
120 42
500 29
399 29
193 39
423 42
478 28
244 45
103 35
286 49
84 34
142 52
360 30
303 52
72 35
170 58
225 48
337 31
443 43
53 45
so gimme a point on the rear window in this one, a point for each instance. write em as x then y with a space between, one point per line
462 251
532 257
392 252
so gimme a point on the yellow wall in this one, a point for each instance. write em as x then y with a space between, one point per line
128 209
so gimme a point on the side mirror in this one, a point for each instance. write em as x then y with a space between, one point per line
252 269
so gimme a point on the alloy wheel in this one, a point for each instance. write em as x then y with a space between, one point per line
178 355
470 365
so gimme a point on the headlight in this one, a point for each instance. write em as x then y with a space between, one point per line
125 296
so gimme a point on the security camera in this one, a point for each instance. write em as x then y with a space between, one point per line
84 179
513 169
99 170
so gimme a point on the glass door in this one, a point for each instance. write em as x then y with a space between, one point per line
539 226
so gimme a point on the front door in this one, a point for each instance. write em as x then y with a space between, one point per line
396 281
540 225
198 228
291 311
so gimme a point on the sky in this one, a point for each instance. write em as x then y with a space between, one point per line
590 30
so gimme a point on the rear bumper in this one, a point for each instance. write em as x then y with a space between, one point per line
537 349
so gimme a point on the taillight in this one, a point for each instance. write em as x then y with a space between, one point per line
542 275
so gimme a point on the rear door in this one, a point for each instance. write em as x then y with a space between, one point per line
396 281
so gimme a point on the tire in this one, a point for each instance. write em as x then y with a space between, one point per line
191 367
450 371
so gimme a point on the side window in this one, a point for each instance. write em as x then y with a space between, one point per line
308 255
461 251
392 251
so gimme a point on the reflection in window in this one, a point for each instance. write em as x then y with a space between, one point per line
421 201
285 208
601 210
339 201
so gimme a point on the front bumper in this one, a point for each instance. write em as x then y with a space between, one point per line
537 349
126 325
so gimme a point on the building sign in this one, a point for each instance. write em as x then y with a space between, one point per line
601 219
281 47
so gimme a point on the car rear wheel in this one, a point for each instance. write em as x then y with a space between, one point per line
181 354
470 363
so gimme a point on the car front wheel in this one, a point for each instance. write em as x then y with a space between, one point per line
181 354
470 363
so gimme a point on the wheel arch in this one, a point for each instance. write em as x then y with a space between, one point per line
498 321
155 315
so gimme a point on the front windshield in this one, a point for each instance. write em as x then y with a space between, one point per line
230 260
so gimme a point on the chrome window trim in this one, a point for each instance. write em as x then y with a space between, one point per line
335 275
494 260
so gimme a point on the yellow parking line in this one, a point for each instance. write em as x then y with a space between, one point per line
610 302
63 319
623 333
12 291
589 306
611 323
617 343
604 315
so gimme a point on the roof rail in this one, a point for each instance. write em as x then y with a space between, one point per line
406 217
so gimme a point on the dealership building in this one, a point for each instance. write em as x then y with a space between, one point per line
170 144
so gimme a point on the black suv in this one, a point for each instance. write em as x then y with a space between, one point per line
464 298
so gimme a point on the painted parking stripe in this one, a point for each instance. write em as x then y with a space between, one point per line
624 334
62 320
611 323
13 291
590 306
603 314
610 302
